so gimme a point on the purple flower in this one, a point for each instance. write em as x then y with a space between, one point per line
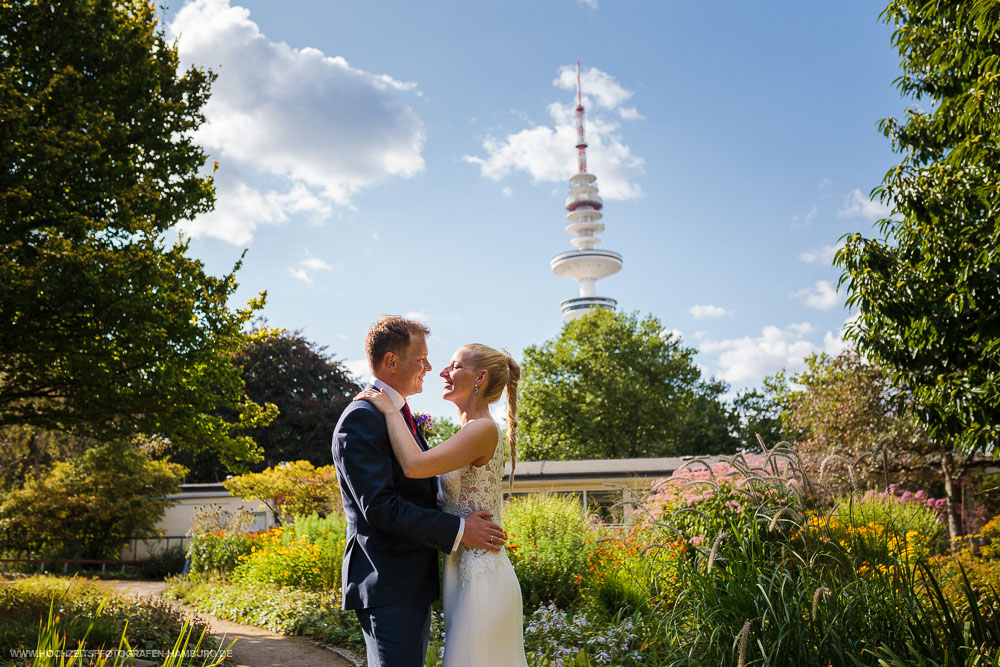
424 422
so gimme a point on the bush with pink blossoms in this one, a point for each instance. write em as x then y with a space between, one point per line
705 496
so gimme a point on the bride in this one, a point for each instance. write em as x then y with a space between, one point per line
482 598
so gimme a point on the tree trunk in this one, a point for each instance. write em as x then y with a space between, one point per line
947 470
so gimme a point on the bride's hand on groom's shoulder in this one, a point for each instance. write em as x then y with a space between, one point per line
378 398
481 533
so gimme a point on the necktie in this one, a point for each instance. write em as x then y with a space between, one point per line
408 416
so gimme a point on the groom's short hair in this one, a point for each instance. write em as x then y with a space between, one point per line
390 334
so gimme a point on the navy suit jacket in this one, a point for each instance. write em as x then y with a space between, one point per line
394 526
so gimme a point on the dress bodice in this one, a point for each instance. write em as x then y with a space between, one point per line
472 487
466 490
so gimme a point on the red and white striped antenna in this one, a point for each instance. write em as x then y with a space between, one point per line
581 142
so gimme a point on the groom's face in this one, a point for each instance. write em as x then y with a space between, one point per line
411 366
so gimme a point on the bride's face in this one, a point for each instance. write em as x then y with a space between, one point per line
459 376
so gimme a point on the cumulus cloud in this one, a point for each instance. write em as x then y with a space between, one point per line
807 219
305 269
858 205
750 359
417 315
358 368
701 312
631 113
314 128
822 256
821 296
548 152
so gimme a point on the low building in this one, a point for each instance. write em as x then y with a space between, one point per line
607 487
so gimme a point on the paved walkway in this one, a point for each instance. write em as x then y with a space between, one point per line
254 647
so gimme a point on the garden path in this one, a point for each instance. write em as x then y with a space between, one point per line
254 647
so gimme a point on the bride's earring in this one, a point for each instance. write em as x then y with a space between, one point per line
476 390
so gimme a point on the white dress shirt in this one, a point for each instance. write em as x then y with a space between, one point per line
398 401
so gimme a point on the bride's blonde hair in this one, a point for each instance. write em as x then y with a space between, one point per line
503 373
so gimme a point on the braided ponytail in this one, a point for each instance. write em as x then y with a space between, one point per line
513 376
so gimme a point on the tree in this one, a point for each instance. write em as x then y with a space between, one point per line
290 489
105 329
928 291
310 390
26 450
856 427
443 429
759 414
90 506
612 386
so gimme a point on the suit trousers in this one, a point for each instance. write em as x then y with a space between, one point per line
396 635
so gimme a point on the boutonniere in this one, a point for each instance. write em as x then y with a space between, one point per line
424 423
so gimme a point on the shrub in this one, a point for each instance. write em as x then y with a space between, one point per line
633 573
549 543
554 638
152 624
701 499
315 614
163 563
216 554
290 489
911 521
89 506
295 563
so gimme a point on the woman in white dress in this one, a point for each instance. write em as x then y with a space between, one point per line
482 598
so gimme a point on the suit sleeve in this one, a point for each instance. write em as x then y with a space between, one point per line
367 464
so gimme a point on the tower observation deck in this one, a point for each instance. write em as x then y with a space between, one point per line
586 265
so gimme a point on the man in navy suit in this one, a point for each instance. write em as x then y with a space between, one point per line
394 526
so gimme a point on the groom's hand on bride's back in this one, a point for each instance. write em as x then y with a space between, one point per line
482 533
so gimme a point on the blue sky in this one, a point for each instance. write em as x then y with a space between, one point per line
413 158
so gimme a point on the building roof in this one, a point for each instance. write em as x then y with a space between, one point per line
598 468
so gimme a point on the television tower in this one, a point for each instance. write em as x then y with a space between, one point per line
586 265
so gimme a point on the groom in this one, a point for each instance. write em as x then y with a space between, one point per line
394 527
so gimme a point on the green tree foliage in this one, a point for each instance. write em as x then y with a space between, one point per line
444 428
928 291
89 506
847 407
614 386
290 489
27 449
106 330
759 414
310 390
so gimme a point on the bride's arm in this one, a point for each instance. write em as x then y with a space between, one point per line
473 441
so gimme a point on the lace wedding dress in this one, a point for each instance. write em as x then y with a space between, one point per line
482 599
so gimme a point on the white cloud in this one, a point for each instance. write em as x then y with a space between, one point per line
631 113
806 219
507 192
417 315
747 359
858 205
588 3
358 368
304 270
822 256
318 130
548 152
821 296
701 312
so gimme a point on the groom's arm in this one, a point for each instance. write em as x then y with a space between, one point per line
367 466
